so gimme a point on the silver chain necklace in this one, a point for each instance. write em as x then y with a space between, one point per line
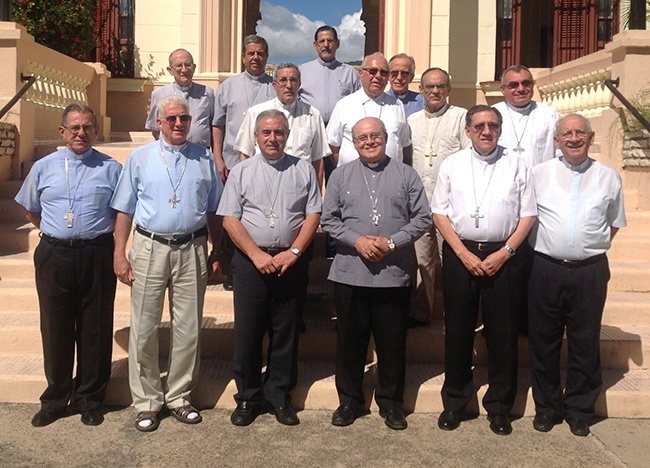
174 200
518 149
476 215
272 214
69 215
374 214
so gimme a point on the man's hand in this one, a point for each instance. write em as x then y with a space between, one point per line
122 269
283 261
222 169
214 264
263 262
367 248
493 263
473 264
381 243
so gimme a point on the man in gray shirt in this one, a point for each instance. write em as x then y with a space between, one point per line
376 208
200 99
271 208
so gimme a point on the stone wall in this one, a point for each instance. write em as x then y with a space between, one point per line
636 149
7 148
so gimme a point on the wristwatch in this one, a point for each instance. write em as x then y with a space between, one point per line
295 251
510 250
391 244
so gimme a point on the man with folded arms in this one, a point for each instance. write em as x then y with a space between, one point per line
171 189
271 210
67 196
375 208
580 204
484 206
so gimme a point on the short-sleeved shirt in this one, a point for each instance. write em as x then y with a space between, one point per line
359 105
497 188
577 208
256 190
323 84
412 101
146 187
234 97
307 138
200 101
347 214
89 185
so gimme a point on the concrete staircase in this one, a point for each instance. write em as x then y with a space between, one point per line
625 341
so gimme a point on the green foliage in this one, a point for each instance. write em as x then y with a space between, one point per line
641 101
626 12
63 25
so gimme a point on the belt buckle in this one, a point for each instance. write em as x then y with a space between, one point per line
566 262
482 247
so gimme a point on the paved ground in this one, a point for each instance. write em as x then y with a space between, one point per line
215 442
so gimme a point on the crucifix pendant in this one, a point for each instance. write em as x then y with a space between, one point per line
69 217
272 216
518 149
431 155
476 217
173 201
374 216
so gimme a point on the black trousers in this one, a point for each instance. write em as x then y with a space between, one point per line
382 312
273 304
76 292
463 293
570 298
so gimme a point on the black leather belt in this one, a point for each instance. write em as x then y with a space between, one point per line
273 250
173 240
573 263
103 239
483 246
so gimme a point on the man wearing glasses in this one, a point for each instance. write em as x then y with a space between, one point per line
67 195
375 208
370 101
437 131
401 68
200 99
483 205
171 189
307 138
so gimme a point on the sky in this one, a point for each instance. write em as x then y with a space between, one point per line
289 26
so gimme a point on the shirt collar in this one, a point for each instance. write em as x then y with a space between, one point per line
289 108
277 163
252 77
490 158
331 65
438 113
184 89
521 110
581 168
172 148
377 166
81 156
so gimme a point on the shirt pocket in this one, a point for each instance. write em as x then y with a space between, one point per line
102 197
397 205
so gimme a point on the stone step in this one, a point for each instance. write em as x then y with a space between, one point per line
638 222
625 393
630 247
19 266
629 276
139 138
119 150
17 237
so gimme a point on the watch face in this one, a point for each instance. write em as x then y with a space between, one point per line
295 250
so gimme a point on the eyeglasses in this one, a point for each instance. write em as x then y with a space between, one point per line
579 134
515 84
397 73
76 129
375 136
430 87
492 126
374 71
179 66
172 119
292 81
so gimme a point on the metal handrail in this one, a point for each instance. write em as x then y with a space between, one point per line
30 81
612 85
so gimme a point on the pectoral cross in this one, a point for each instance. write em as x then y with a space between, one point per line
69 217
374 216
476 217
272 217
173 201
431 155
518 149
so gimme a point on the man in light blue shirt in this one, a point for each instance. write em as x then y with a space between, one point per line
67 195
171 189
401 68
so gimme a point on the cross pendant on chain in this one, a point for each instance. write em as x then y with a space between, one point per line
476 217
518 149
69 217
431 155
272 217
173 201
374 217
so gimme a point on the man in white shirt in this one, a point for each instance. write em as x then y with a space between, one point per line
370 101
580 204
307 138
437 131
483 206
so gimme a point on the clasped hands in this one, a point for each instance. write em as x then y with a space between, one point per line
267 264
488 267
372 248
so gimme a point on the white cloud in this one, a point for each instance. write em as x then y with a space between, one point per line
290 35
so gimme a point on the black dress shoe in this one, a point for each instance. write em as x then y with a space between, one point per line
346 415
286 415
245 413
92 417
227 284
578 427
393 418
449 420
45 418
545 422
500 424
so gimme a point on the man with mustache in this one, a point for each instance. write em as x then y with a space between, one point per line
580 204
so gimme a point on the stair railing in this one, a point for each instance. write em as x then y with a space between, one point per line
30 81
613 87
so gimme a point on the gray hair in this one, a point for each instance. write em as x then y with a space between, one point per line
271 113
516 69
403 56
173 99
77 107
284 65
585 120
180 50
255 39
434 69
481 108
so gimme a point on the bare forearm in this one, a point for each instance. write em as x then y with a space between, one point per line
34 218
123 223
307 231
